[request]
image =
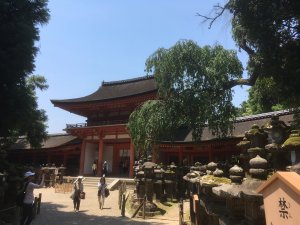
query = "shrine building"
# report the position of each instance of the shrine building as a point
(104, 136)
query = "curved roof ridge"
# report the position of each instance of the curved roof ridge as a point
(109, 83)
(267, 115)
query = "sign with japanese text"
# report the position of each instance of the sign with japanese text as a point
(282, 200)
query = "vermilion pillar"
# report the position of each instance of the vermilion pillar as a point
(100, 155)
(131, 159)
(82, 156)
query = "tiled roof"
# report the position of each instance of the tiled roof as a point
(241, 125)
(117, 89)
(54, 140)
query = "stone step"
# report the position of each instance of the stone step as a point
(113, 183)
(93, 181)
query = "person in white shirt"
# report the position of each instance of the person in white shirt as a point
(101, 192)
(27, 215)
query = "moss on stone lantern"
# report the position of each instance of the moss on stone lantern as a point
(292, 144)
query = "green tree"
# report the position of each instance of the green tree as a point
(194, 90)
(270, 34)
(263, 97)
(150, 123)
(19, 29)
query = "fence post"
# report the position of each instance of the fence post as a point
(144, 206)
(138, 208)
(120, 197)
(192, 214)
(196, 209)
(123, 205)
(39, 203)
(181, 212)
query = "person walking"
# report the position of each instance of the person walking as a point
(104, 169)
(27, 208)
(78, 189)
(94, 168)
(101, 192)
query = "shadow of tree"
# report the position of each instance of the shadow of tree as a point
(53, 214)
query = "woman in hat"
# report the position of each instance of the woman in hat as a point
(29, 186)
(78, 189)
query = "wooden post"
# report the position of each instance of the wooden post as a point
(192, 214)
(39, 203)
(138, 208)
(144, 206)
(196, 210)
(120, 197)
(123, 205)
(181, 221)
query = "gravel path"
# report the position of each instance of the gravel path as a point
(57, 208)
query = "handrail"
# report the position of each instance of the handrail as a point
(90, 124)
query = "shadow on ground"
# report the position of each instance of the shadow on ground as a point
(54, 214)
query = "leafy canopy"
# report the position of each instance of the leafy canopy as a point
(148, 124)
(193, 89)
(19, 29)
(269, 32)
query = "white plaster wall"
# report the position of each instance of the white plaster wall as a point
(108, 156)
(91, 153)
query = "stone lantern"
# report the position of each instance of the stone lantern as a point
(236, 174)
(158, 183)
(169, 183)
(148, 168)
(244, 156)
(258, 167)
(292, 144)
(277, 131)
(212, 166)
(258, 140)
(140, 184)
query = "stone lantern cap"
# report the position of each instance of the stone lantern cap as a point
(293, 142)
(149, 165)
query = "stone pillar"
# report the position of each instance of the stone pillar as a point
(100, 155)
(131, 172)
(82, 156)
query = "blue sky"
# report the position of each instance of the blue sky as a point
(87, 42)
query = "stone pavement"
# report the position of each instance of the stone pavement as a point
(57, 208)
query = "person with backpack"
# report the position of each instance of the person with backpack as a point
(102, 188)
(29, 186)
(77, 193)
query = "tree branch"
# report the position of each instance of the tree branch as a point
(219, 12)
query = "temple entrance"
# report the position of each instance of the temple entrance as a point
(124, 161)
(91, 155)
(108, 157)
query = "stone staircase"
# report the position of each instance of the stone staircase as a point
(113, 183)
(93, 181)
